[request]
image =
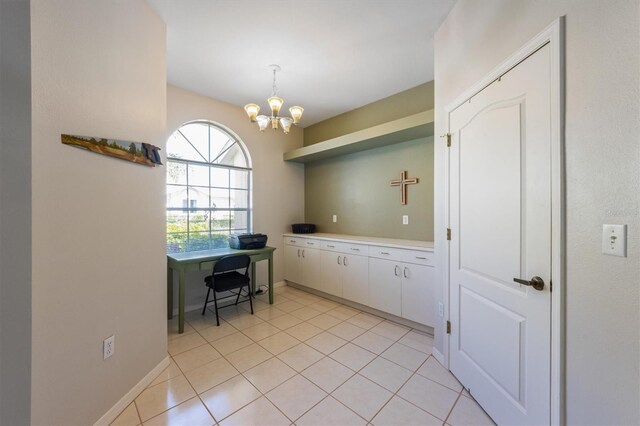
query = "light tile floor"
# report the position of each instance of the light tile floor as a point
(304, 360)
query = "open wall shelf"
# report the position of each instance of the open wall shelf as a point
(401, 130)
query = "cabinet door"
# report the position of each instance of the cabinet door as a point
(291, 263)
(331, 273)
(385, 286)
(309, 272)
(355, 279)
(418, 301)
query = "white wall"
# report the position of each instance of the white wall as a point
(602, 177)
(278, 187)
(98, 69)
(15, 213)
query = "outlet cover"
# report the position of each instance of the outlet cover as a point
(108, 347)
(335, 218)
(405, 219)
(440, 309)
(614, 240)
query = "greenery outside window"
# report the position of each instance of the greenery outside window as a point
(208, 187)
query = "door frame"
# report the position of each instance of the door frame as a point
(554, 36)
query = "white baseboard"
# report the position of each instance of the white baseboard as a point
(438, 356)
(128, 398)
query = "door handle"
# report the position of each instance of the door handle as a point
(339, 261)
(404, 273)
(302, 252)
(344, 260)
(536, 282)
(395, 271)
(298, 252)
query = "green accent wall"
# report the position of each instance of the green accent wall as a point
(412, 101)
(356, 188)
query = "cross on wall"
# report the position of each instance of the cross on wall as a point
(403, 182)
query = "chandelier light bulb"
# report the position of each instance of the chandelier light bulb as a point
(296, 113)
(252, 111)
(275, 103)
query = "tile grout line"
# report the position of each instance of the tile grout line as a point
(342, 321)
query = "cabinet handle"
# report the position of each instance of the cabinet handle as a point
(310, 243)
(421, 258)
(302, 252)
(395, 271)
(292, 241)
(344, 261)
(331, 246)
(384, 252)
(339, 261)
(298, 252)
(404, 273)
(355, 249)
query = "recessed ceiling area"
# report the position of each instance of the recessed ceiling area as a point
(335, 55)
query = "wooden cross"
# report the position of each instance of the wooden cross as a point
(403, 182)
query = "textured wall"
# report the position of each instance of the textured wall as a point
(15, 213)
(602, 177)
(278, 187)
(99, 265)
(355, 187)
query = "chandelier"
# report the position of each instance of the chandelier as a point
(275, 103)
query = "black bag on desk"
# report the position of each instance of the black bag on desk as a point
(247, 241)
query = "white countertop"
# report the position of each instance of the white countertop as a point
(374, 241)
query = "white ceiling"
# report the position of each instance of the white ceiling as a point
(336, 55)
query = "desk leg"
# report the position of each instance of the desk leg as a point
(271, 279)
(253, 278)
(181, 303)
(169, 293)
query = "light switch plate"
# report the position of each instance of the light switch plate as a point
(614, 240)
(335, 218)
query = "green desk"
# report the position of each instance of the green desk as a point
(203, 261)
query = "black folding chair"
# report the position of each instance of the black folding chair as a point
(225, 277)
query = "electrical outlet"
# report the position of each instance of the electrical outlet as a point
(440, 309)
(405, 219)
(108, 347)
(335, 218)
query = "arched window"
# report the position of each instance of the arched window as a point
(208, 187)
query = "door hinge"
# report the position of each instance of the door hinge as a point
(449, 234)
(550, 286)
(448, 327)
(448, 137)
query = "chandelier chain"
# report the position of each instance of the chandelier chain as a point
(274, 88)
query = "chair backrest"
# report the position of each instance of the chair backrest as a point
(232, 263)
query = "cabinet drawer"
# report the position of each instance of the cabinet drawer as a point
(301, 242)
(402, 255)
(347, 248)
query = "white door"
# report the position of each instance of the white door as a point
(418, 301)
(500, 218)
(292, 263)
(385, 286)
(355, 280)
(309, 273)
(331, 273)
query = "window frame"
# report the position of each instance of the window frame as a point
(211, 209)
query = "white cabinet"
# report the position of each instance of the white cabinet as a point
(418, 299)
(331, 273)
(355, 279)
(385, 286)
(345, 275)
(302, 261)
(391, 279)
